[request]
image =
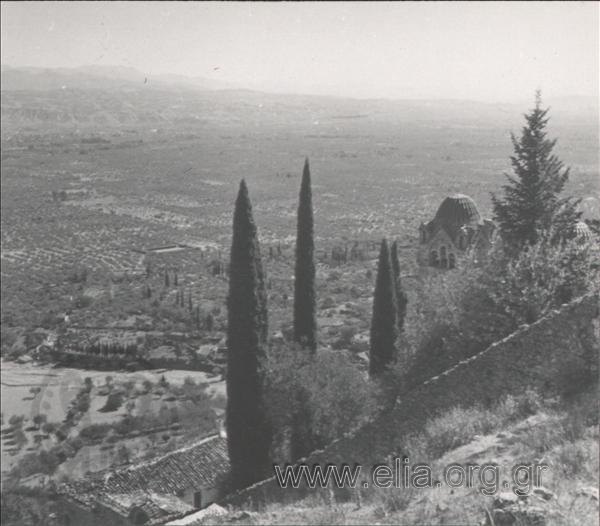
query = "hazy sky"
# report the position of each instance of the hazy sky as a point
(485, 51)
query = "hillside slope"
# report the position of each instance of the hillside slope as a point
(562, 434)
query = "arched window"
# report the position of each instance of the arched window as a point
(433, 258)
(451, 261)
(197, 499)
(423, 235)
(443, 258)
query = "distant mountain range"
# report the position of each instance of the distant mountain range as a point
(97, 77)
(116, 95)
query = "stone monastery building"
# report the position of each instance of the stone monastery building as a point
(456, 228)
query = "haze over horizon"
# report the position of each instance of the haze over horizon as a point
(477, 51)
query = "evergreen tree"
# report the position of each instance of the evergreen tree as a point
(167, 278)
(401, 298)
(248, 430)
(531, 204)
(305, 321)
(384, 322)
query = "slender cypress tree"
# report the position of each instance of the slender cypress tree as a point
(531, 203)
(305, 321)
(401, 298)
(248, 430)
(384, 329)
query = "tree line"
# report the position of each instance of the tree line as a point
(248, 428)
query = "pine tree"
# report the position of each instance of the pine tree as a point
(384, 322)
(401, 298)
(531, 204)
(305, 321)
(248, 430)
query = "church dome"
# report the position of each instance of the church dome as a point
(582, 231)
(458, 210)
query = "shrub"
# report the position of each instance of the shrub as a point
(513, 408)
(573, 458)
(113, 402)
(462, 312)
(456, 428)
(332, 395)
(95, 432)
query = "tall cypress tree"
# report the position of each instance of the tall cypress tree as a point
(401, 298)
(305, 321)
(531, 203)
(248, 430)
(384, 329)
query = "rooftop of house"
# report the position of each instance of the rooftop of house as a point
(156, 508)
(199, 465)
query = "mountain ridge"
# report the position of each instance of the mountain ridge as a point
(107, 76)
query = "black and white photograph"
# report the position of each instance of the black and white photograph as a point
(322, 263)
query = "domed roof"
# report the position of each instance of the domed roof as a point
(582, 231)
(457, 210)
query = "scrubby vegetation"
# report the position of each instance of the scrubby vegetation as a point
(560, 432)
(325, 392)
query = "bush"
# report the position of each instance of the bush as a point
(514, 408)
(113, 402)
(462, 312)
(82, 301)
(573, 458)
(330, 393)
(456, 428)
(95, 432)
(511, 291)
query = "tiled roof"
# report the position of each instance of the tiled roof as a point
(157, 508)
(458, 209)
(196, 466)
